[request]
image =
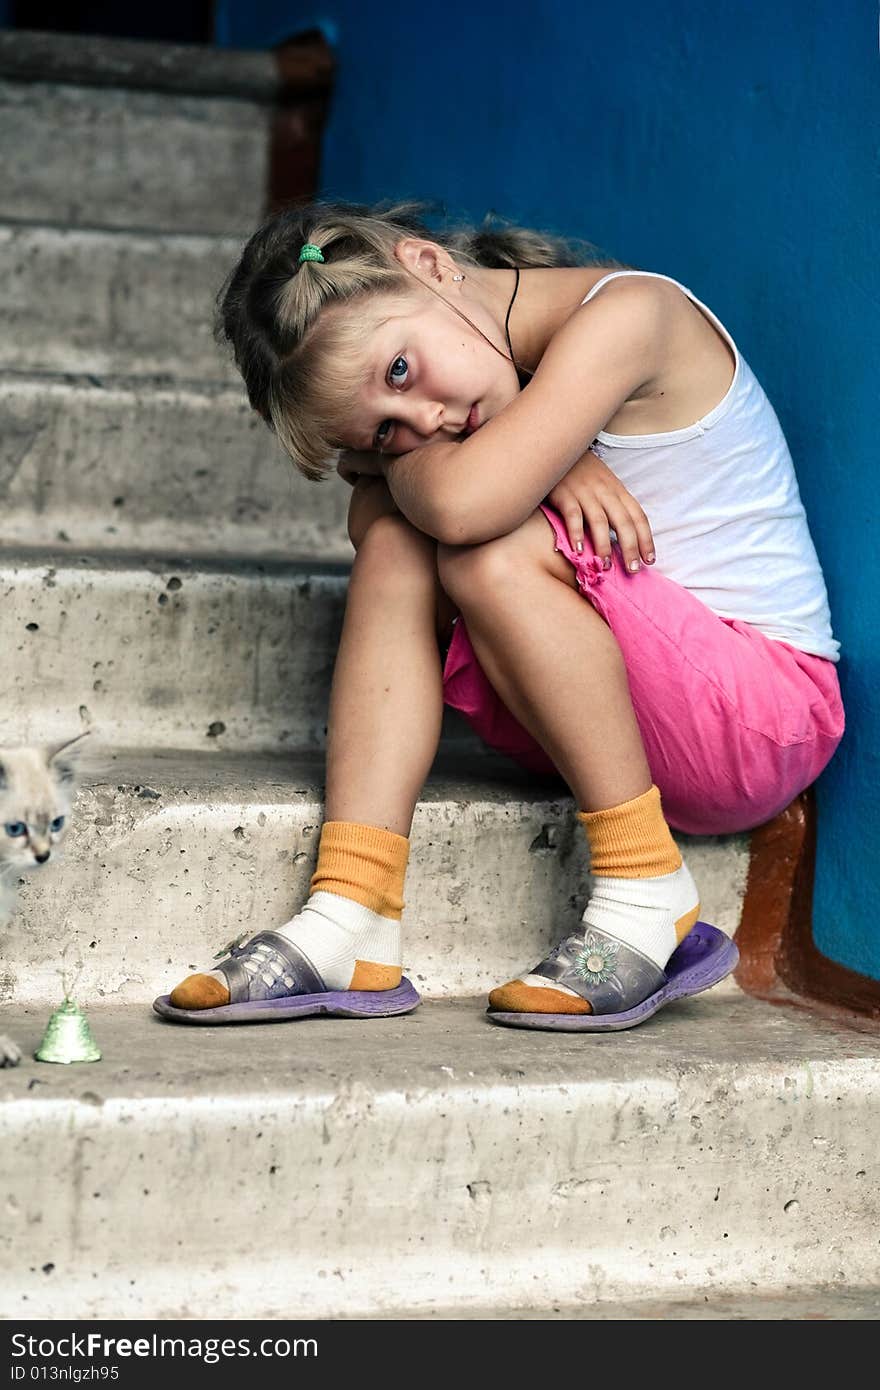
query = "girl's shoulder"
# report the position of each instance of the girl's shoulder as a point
(695, 360)
(626, 304)
(631, 298)
(630, 286)
(626, 308)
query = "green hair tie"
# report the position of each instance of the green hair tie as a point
(310, 253)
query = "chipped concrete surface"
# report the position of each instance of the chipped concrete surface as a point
(815, 1305)
(170, 856)
(98, 157)
(150, 301)
(159, 649)
(132, 65)
(210, 478)
(723, 1145)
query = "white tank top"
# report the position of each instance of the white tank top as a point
(722, 499)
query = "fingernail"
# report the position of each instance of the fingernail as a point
(580, 547)
(606, 563)
(650, 557)
(633, 566)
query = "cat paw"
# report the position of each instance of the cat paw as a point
(10, 1052)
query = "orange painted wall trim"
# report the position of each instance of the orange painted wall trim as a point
(306, 66)
(779, 960)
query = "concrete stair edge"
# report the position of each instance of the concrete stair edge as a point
(154, 465)
(719, 1146)
(28, 55)
(170, 649)
(151, 306)
(100, 157)
(168, 856)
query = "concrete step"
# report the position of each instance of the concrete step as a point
(214, 653)
(168, 856)
(231, 653)
(120, 302)
(154, 464)
(148, 65)
(394, 1167)
(102, 157)
(814, 1305)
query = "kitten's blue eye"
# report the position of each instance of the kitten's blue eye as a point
(56, 824)
(16, 828)
(395, 379)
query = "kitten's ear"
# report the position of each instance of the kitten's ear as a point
(64, 758)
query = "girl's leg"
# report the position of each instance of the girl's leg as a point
(557, 667)
(386, 707)
(552, 659)
(386, 701)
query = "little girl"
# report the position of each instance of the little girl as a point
(456, 381)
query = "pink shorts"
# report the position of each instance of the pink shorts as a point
(734, 723)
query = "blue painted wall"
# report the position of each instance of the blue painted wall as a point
(735, 146)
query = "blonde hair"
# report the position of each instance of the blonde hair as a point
(293, 345)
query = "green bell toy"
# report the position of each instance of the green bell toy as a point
(68, 1037)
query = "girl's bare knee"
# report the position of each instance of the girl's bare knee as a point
(466, 570)
(467, 565)
(469, 570)
(392, 540)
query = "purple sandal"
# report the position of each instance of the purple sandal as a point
(270, 980)
(623, 986)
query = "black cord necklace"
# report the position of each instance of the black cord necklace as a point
(523, 375)
(507, 320)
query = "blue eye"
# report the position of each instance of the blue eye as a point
(395, 379)
(56, 824)
(16, 828)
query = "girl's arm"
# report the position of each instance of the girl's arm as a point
(466, 493)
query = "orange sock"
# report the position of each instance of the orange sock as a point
(643, 895)
(364, 863)
(350, 926)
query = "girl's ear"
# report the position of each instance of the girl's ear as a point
(424, 258)
(64, 758)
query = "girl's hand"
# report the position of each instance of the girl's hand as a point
(353, 464)
(591, 494)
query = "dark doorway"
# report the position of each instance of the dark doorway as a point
(175, 21)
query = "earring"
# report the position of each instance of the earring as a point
(458, 277)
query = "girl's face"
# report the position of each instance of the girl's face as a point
(424, 371)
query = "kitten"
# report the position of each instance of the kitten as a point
(37, 789)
